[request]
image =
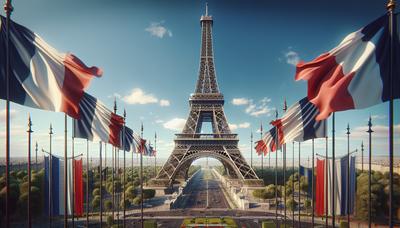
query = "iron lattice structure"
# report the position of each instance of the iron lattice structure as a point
(206, 105)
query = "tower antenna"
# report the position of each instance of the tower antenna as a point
(206, 8)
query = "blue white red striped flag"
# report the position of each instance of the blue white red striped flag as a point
(355, 74)
(74, 185)
(57, 186)
(41, 77)
(127, 141)
(299, 124)
(307, 172)
(268, 142)
(324, 186)
(97, 122)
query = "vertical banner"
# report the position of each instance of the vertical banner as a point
(57, 183)
(340, 177)
(320, 188)
(78, 188)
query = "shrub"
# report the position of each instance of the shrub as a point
(23, 204)
(291, 204)
(149, 193)
(130, 193)
(110, 220)
(96, 192)
(96, 202)
(107, 205)
(307, 204)
(23, 188)
(126, 202)
(137, 200)
(343, 224)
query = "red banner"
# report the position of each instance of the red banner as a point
(320, 190)
(78, 188)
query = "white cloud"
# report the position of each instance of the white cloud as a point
(164, 103)
(380, 131)
(244, 125)
(240, 101)
(292, 57)
(157, 29)
(159, 121)
(175, 124)
(256, 109)
(237, 126)
(138, 96)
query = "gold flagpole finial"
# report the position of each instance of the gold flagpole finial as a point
(391, 5)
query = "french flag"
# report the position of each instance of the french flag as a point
(97, 122)
(126, 141)
(268, 142)
(342, 183)
(299, 124)
(74, 185)
(41, 77)
(57, 185)
(355, 74)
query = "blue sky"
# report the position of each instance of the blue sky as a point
(149, 51)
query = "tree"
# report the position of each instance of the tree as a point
(149, 193)
(96, 192)
(137, 200)
(110, 220)
(107, 205)
(130, 193)
(126, 202)
(96, 202)
(291, 204)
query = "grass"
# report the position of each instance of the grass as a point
(194, 222)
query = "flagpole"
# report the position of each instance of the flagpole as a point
(141, 179)
(73, 178)
(101, 187)
(251, 149)
(362, 156)
(29, 171)
(262, 154)
(51, 178)
(123, 186)
(276, 169)
(369, 170)
(326, 181)
(299, 209)
(117, 195)
(113, 153)
(293, 184)
(284, 170)
(87, 183)
(333, 169)
(66, 174)
(348, 174)
(312, 184)
(391, 5)
(132, 168)
(105, 163)
(36, 150)
(8, 9)
(155, 158)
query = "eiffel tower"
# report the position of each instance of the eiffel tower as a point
(206, 105)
